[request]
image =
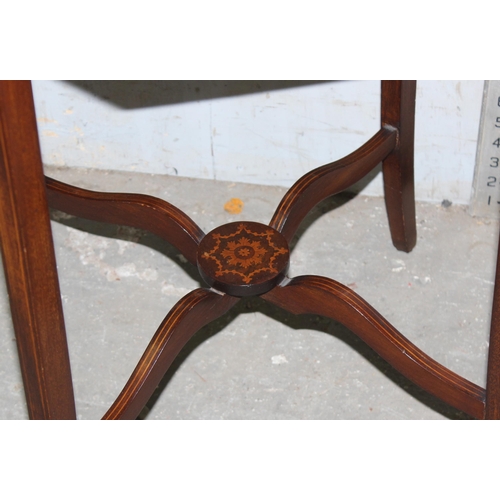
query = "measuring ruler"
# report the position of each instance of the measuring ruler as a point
(485, 200)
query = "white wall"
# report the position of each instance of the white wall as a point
(269, 137)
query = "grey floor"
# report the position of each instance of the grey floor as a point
(259, 362)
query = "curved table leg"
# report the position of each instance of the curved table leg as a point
(326, 297)
(137, 210)
(330, 179)
(192, 312)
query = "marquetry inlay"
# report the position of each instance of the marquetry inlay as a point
(243, 258)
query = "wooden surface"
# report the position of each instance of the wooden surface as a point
(136, 210)
(29, 260)
(191, 313)
(243, 258)
(398, 111)
(493, 374)
(330, 179)
(326, 297)
(237, 259)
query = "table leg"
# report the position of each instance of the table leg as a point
(493, 376)
(398, 111)
(29, 259)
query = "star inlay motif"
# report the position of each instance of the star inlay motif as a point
(244, 253)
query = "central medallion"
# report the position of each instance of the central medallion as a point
(243, 258)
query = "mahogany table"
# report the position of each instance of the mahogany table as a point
(235, 260)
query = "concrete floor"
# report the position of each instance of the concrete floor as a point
(259, 362)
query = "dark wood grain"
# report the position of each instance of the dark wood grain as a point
(29, 260)
(398, 111)
(326, 297)
(330, 179)
(192, 312)
(243, 258)
(137, 210)
(492, 410)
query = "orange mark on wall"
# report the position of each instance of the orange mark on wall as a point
(234, 206)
